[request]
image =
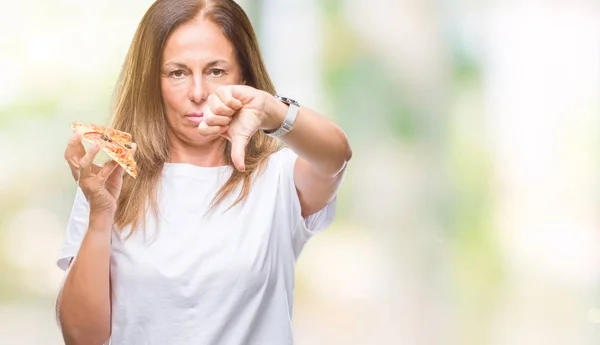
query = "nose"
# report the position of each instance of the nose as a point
(198, 90)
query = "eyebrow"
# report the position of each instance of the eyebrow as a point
(208, 65)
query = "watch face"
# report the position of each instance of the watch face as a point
(286, 100)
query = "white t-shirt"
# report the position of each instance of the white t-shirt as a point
(221, 279)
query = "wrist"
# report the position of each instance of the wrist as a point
(101, 220)
(275, 112)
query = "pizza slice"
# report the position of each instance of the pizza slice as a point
(116, 144)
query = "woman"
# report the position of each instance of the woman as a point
(200, 248)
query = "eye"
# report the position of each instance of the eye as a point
(178, 74)
(216, 72)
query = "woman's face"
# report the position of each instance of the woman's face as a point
(197, 59)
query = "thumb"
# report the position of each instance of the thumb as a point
(238, 152)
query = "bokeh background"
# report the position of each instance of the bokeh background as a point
(471, 209)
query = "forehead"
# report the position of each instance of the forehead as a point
(198, 41)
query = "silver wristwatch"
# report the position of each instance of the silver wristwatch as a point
(290, 118)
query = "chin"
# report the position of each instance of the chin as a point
(206, 140)
(195, 139)
(188, 135)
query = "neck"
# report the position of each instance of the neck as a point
(207, 155)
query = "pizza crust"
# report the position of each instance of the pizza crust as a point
(116, 144)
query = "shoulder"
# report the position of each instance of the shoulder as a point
(278, 168)
(282, 158)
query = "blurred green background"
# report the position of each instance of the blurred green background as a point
(470, 212)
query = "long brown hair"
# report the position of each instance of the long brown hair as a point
(138, 107)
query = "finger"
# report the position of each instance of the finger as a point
(225, 93)
(238, 153)
(75, 147)
(107, 170)
(73, 154)
(205, 129)
(74, 167)
(224, 133)
(85, 164)
(216, 120)
(218, 107)
(115, 180)
(118, 172)
(133, 148)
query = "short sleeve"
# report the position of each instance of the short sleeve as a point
(76, 228)
(303, 228)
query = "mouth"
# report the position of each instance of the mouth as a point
(195, 118)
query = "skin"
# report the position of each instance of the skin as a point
(197, 60)
(235, 112)
(199, 75)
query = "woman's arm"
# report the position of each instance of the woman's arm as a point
(321, 145)
(323, 150)
(83, 304)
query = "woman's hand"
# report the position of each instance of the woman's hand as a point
(101, 185)
(74, 153)
(236, 112)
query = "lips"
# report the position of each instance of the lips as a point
(195, 118)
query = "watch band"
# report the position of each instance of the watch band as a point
(290, 117)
